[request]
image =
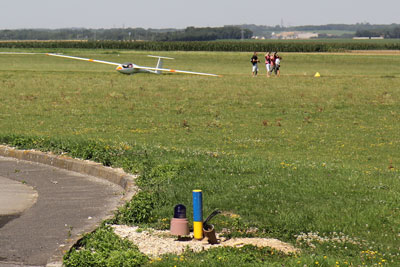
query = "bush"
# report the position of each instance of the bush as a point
(138, 210)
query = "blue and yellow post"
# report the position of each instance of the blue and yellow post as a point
(197, 214)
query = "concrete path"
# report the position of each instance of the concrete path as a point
(43, 210)
(15, 197)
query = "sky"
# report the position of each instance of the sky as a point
(157, 14)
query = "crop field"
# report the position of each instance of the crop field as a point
(311, 161)
(305, 46)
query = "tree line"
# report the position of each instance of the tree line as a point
(233, 32)
(389, 33)
(358, 29)
(129, 34)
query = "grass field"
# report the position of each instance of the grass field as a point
(312, 161)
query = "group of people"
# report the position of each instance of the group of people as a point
(272, 63)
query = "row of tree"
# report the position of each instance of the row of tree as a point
(206, 34)
(199, 34)
(343, 30)
(386, 33)
(124, 34)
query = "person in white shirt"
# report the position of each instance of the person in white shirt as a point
(277, 65)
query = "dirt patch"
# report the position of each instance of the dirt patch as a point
(353, 52)
(376, 52)
(155, 242)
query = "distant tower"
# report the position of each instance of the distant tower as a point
(242, 31)
(282, 23)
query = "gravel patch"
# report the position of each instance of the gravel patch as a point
(155, 242)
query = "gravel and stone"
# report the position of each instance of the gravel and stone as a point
(156, 242)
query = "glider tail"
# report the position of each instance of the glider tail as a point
(159, 63)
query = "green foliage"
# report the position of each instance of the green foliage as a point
(205, 34)
(270, 45)
(392, 32)
(139, 210)
(189, 34)
(158, 175)
(104, 248)
(227, 256)
(95, 150)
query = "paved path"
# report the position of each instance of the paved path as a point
(44, 209)
(15, 198)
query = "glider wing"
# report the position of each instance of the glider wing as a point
(177, 71)
(21, 53)
(84, 59)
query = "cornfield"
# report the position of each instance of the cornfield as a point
(246, 46)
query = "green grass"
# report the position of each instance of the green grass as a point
(289, 155)
(110, 251)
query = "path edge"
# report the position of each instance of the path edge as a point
(114, 175)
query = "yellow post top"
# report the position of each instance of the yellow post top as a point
(197, 190)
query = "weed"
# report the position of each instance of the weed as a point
(104, 248)
(139, 210)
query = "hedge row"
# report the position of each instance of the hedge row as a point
(247, 46)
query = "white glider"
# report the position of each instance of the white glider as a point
(125, 68)
(131, 68)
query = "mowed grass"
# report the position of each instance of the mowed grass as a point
(289, 155)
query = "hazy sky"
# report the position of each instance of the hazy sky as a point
(15, 14)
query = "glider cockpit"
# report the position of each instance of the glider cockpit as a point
(126, 68)
(127, 65)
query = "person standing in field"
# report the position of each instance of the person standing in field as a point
(273, 62)
(278, 65)
(268, 63)
(254, 60)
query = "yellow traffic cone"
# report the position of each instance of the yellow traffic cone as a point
(317, 75)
